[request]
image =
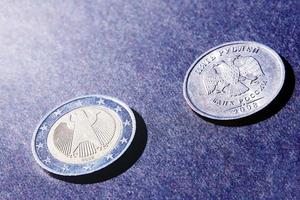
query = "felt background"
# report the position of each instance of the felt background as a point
(139, 51)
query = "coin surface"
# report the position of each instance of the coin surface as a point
(234, 80)
(83, 135)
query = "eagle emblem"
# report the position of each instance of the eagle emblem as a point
(84, 133)
(229, 78)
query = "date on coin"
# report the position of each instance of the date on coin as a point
(234, 80)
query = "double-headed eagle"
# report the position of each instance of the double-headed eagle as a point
(229, 78)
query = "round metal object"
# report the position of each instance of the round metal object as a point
(83, 135)
(234, 80)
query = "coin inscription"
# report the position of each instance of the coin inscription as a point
(234, 80)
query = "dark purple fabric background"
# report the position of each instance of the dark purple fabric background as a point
(139, 51)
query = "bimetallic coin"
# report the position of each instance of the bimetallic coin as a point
(234, 80)
(83, 135)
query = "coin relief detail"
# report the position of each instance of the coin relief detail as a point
(234, 80)
(84, 134)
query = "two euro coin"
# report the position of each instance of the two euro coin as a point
(83, 135)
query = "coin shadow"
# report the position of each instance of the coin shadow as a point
(274, 107)
(121, 165)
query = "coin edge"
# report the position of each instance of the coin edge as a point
(204, 114)
(42, 165)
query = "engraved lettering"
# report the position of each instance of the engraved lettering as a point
(255, 50)
(249, 49)
(236, 49)
(245, 107)
(215, 100)
(248, 106)
(198, 71)
(263, 85)
(88, 159)
(224, 103)
(227, 50)
(241, 48)
(221, 52)
(207, 60)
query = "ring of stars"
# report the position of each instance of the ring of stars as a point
(64, 168)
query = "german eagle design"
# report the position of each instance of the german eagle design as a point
(84, 134)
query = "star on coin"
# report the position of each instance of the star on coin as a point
(118, 109)
(78, 103)
(124, 140)
(65, 168)
(47, 160)
(126, 123)
(44, 127)
(57, 113)
(40, 145)
(100, 102)
(109, 157)
(88, 167)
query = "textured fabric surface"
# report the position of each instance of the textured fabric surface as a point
(139, 51)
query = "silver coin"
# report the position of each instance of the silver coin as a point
(83, 135)
(234, 80)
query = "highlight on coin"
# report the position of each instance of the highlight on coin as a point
(234, 80)
(83, 135)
